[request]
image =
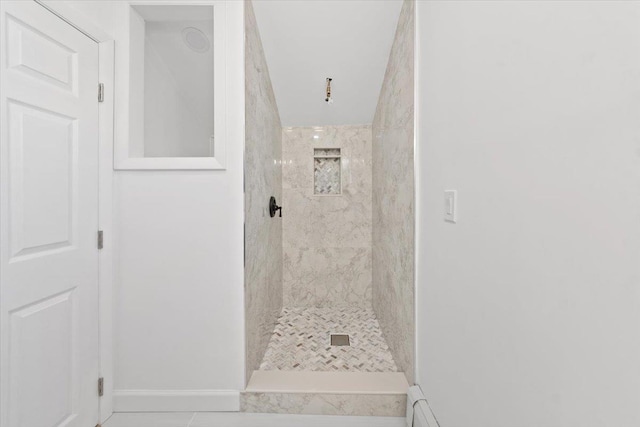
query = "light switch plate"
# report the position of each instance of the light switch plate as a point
(451, 205)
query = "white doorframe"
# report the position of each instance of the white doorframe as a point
(105, 213)
(105, 196)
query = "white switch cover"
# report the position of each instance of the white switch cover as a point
(450, 205)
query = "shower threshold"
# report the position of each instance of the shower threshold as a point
(382, 394)
(328, 382)
(327, 361)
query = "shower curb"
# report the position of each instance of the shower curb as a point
(326, 393)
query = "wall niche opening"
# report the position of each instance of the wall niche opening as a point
(327, 176)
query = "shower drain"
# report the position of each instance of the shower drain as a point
(340, 339)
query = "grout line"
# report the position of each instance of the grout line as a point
(368, 352)
(191, 420)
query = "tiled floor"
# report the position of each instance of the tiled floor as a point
(238, 419)
(302, 341)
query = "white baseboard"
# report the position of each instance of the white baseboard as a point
(176, 400)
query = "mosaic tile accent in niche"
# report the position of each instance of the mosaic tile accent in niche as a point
(301, 341)
(326, 171)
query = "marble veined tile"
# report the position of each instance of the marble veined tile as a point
(301, 341)
(335, 152)
(327, 237)
(263, 178)
(327, 276)
(381, 405)
(299, 145)
(393, 198)
(326, 175)
(326, 222)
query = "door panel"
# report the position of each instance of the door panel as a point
(42, 145)
(33, 52)
(41, 360)
(48, 220)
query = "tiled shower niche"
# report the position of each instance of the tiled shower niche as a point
(326, 171)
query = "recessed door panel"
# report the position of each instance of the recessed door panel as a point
(43, 147)
(41, 353)
(32, 52)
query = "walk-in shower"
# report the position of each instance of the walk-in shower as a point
(329, 272)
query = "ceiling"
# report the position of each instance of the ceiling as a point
(306, 41)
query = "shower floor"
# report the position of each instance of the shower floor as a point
(301, 341)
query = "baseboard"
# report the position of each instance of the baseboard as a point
(176, 401)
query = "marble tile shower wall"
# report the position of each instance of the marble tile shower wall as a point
(263, 178)
(393, 219)
(326, 238)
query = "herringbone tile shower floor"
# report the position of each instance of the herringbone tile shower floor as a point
(301, 341)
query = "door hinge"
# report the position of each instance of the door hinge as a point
(100, 92)
(100, 386)
(100, 239)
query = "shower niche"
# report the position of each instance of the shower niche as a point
(175, 91)
(327, 172)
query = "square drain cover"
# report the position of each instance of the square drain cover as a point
(339, 339)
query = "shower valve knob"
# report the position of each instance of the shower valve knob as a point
(273, 207)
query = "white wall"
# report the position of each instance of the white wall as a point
(529, 306)
(176, 124)
(178, 314)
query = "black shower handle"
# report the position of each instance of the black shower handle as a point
(273, 207)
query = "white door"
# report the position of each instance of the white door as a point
(48, 220)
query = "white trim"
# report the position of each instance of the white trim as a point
(176, 400)
(105, 223)
(128, 128)
(235, 93)
(417, 226)
(166, 163)
(76, 19)
(419, 413)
